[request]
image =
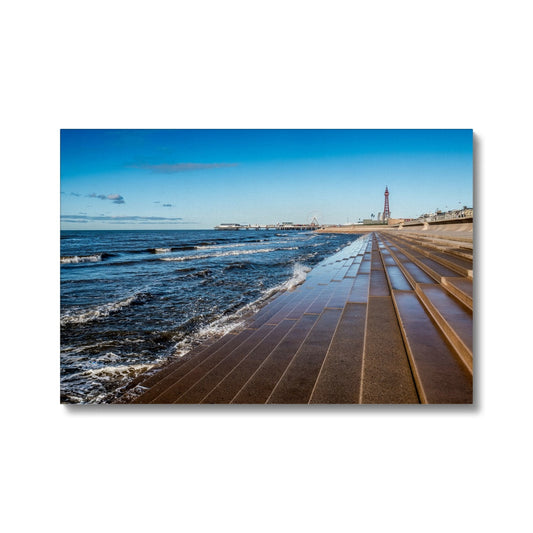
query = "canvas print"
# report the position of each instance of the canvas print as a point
(266, 266)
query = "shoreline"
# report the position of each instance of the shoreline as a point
(127, 391)
(387, 319)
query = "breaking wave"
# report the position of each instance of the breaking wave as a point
(102, 311)
(225, 254)
(227, 323)
(81, 259)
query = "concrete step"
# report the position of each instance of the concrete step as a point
(460, 236)
(396, 278)
(261, 383)
(185, 382)
(354, 269)
(463, 266)
(440, 376)
(270, 309)
(458, 265)
(340, 292)
(296, 306)
(365, 266)
(413, 273)
(296, 384)
(360, 289)
(440, 241)
(167, 380)
(166, 373)
(461, 250)
(387, 376)
(453, 318)
(462, 253)
(378, 283)
(434, 269)
(461, 288)
(339, 378)
(319, 303)
(236, 377)
(221, 383)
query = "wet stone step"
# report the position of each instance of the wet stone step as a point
(295, 307)
(462, 288)
(387, 376)
(164, 380)
(318, 305)
(184, 380)
(296, 384)
(441, 263)
(440, 376)
(340, 293)
(454, 319)
(365, 266)
(434, 269)
(340, 376)
(378, 283)
(270, 309)
(260, 385)
(195, 390)
(232, 383)
(354, 269)
(360, 288)
(250, 351)
(463, 266)
(397, 280)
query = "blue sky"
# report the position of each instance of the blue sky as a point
(196, 179)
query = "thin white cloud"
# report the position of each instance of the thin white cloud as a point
(115, 198)
(82, 219)
(172, 168)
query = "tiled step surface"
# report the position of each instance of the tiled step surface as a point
(382, 321)
(261, 384)
(435, 269)
(440, 376)
(188, 380)
(461, 288)
(453, 318)
(459, 265)
(449, 312)
(339, 379)
(296, 384)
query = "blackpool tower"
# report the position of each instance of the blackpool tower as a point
(386, 210)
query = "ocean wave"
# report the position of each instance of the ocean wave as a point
(222, 245)
(81, 259)
(226, 254)
(103, 311)
(299, 274)
(238, 266)
(118, 371)
(227, 323)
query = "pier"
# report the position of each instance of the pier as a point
(388, 319)
(283, 226)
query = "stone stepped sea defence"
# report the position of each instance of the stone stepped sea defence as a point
(385, 320)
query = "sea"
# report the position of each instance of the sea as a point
(132, 300)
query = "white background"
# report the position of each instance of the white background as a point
(381, 64)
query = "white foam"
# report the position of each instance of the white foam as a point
(226, 324)
(99, 312)
(162, 250)
(225, 254)
(218, 246)
(118, 371)
(82, 259)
